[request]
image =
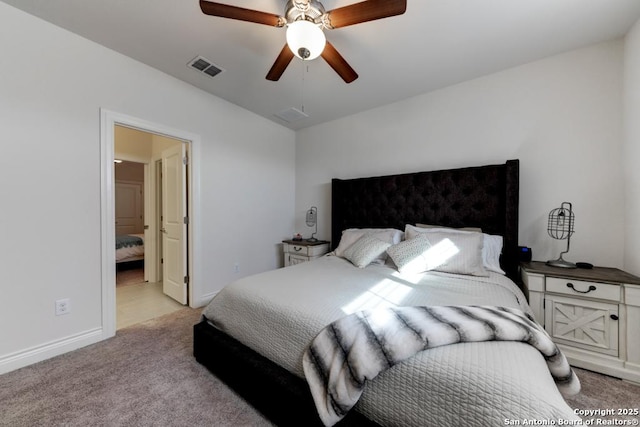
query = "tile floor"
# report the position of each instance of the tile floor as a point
(140, 302)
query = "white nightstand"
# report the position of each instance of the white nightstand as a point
(297, 251)
(592, 314)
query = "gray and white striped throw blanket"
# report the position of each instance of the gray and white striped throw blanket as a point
(359, 346)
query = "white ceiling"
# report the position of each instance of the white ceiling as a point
(436, 43)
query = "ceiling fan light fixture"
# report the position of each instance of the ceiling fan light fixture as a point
(305, 39)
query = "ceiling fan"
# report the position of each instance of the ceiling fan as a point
(305, 21)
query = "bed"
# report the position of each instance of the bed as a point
(255, 331)
(129, 247)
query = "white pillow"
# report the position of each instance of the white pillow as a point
(491, 251)
(366, 249)
(410, 256)
(478, 229)
(491, 247)
(459, 253)
(351, 235)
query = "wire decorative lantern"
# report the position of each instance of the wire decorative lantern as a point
(560, 227)
(312, 220)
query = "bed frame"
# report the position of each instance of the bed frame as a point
(485, 197)
(129, 259)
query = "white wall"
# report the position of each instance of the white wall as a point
(560, 116)
(52, 86)
(631, 150)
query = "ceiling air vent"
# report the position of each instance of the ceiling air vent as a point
(291, 115)
(205, 66)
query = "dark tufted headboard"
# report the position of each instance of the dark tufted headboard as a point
(484, 196)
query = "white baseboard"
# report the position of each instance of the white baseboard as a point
(20, 359)
(51, 349)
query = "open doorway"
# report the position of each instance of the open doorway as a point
(193, 254)
(151, 217)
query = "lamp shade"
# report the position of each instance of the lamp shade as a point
(305, 39)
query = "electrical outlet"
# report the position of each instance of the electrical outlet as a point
(63, 306)
(236, 268)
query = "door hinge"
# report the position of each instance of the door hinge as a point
(186, 220)
(186, 280)
(185, 160)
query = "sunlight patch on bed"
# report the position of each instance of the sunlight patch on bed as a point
(440, 253)
(429, 259)
(410, 277)
(387, 293)
(390, 293)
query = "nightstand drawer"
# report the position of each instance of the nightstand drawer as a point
(306, 250)
(296, 252)
(583, 288)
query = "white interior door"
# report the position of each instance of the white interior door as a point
(128, 207)
(174, 227)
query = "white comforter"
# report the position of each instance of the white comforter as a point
(126, 252)
(278, 313)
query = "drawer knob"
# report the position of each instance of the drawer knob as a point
(614, 317)
(591, 288)
(297, 248)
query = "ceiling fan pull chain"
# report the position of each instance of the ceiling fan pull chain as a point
(303, 73)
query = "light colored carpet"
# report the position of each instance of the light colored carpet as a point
(147, 376)
(603, 392)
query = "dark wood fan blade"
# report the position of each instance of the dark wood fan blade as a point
(281, 64)
(369, 10)
(337, 62)
(240, 13)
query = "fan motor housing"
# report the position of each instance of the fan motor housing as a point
(310, 10)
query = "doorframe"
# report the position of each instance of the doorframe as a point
(157, 218)
(108, 121)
